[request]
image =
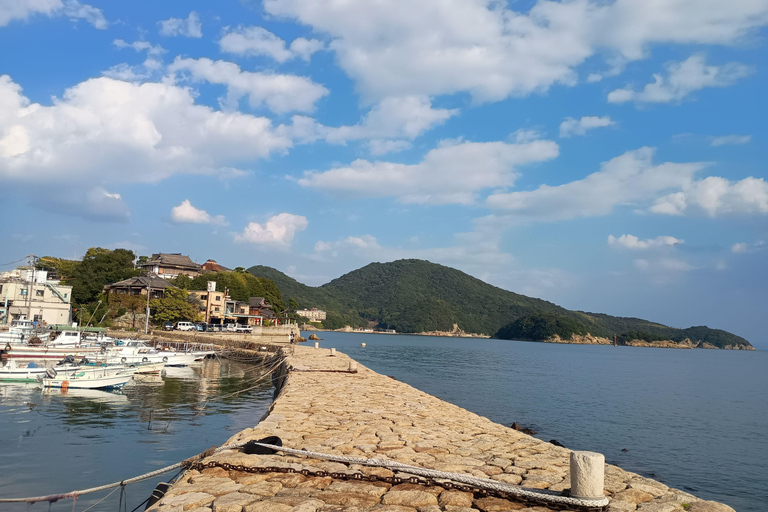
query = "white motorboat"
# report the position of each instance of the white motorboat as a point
(60, 342)
(99, 377)
(14, 372)
(135, 351)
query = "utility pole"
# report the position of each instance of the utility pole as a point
(149, 291)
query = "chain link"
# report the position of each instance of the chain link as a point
(392, 480)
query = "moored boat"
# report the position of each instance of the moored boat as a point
(100, 377)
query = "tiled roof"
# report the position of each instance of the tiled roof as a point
(142, 281)
(214, 267)
(173, 259)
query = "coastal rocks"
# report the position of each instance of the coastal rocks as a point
(522, 429)
(709, 506)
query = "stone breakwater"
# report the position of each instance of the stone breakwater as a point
(321, 407)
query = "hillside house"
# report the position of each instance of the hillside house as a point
(170, 265)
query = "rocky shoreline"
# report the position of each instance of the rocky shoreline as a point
(588, 339)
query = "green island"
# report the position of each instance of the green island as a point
(420, 297)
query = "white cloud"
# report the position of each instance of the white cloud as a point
(278, 231)
(731, 139)
(739, 248)
(109, 131)
(382, 147)
(262, 42)
(715, 196)
(571, 126)
(23, 9)
(187, 27)
(140, 46)
(634, 243)
(281, 93)
(628, 178)
(435, 47)
(447, 174)
(392, 118)
(186, 213)
(682, 79)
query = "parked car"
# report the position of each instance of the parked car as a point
(230, 327)
(167, 326)
(244, 328)
(201, 326)
(185, 326)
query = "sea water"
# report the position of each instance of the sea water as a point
(696, 420)
(53, 442)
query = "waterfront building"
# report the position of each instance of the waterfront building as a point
(140, 285)
(313, 315)
(28, 294)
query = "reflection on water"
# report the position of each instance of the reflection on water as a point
(53, 441)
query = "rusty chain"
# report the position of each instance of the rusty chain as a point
(392, 480)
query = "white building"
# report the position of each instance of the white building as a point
(314, 314)
(28, 294)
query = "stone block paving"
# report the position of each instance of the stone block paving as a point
(369, 415)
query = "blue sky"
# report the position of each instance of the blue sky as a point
(608, 156)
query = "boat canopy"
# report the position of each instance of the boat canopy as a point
(62, 327)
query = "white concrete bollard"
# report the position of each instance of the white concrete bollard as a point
(317, 344)
(333, 351)
(353, 366)
(587, 475)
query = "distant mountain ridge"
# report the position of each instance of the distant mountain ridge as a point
(415, 296)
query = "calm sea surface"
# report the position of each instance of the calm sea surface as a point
(696, 420)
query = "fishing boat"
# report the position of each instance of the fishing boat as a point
(14, 372)
(135, 352)
(100, 377)
(59, 342)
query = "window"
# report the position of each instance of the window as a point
(24, 292)
(218, 297)
(39, 293)
(65, 295)
(216, 308)
(204, 297)
(38, 318)
(1, 288)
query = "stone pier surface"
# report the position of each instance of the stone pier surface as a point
(323, 407)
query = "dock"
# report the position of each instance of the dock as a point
(328, 403)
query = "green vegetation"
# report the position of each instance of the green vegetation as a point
(173, 307)
(542, 326)
(419, 296)
(239, 284)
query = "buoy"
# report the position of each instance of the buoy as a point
(362, 344)
(65, 385)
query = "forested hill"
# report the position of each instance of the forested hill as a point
(413, 296)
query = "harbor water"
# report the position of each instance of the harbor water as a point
(692, 419)
(53, 442)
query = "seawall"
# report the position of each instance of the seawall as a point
(322, 406)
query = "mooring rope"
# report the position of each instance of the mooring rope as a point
(482, 483)
(52, 498)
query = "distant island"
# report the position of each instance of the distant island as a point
(420, 297)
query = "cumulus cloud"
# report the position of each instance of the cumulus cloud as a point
(278, 231)
(23, 9)
(280, 93)
(109, 131)
(634, 243)
(186, 213)
(140, 46)
(731, 139)
(628, 178)
(682, 79)
(387, 123)
(715, 196)
(435, 47)
(261, 42)
(739, 248)
(187, 27)
(743, 248)
(451, 173)
(571, 126)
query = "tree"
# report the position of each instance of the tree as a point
(133, 304)
(173, 307)
(100, 267)
(293, 304)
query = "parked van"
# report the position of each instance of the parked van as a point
(185, 326)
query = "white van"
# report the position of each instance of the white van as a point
(185, 326)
